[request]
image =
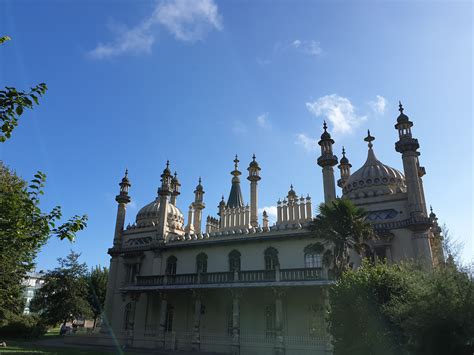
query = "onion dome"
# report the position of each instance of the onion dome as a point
(344, 159)
(149, 216)
(253, 163)
(402, 118)
(325, 134)
(374, 178)
(199, 187)
(291, 193)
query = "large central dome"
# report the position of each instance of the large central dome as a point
(149, 216)
(374, 179)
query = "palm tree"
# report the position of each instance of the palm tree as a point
(342, 224)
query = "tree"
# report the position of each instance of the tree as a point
(342, 224)
(63, 296)
(97, 288)
(24, 228)
(401, 309)
(13, 102)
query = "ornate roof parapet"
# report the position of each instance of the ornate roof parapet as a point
(293, 211)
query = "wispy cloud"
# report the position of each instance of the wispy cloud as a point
(186, 20)
(310, 47)
(338, 110)
(378, 105)
(308, 143)
(263, 121)
(271, 211)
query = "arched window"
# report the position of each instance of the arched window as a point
(271, 258)
(171, 265)
(313, 255)
(201, 263)
(234, 260)
(128, 319)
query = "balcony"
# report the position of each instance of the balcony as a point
(248, 278)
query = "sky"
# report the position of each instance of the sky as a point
(134, 83)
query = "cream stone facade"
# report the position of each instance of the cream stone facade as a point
(230, 283)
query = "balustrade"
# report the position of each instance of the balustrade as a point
(248, 276)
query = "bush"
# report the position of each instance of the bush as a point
(22, 326)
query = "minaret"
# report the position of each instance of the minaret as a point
(235, 196)
(122, 199)
(327, 160)
(419, 221)
(221, 213)
(408, 146)
(164, 192)
(254, 177)
(345, 168)
(198, 206)
(175, 186)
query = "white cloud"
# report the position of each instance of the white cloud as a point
(271, 212)
(263, 121)
(306, 142)
(337, 110)
(310, 47)
(378, 106)
(187, 20)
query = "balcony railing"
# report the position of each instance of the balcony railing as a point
(251, 276)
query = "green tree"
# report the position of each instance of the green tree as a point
(13, 102)
(343, 225)
(97, 288)
(400, 309)
(24, 229)
(63, 296)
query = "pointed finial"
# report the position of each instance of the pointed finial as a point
(369, 139)
(253, 157)
(199, 180)
(291, 186)
(126, 172)
(343, 151)
(400, 107)
(175, 174)
(431, 209)
(167, 164)
(325, 126)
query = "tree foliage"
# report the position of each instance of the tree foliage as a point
(342, 224)
(398, 309)
(13, 102)
(63, 295)
(97, 288)
(24, 228)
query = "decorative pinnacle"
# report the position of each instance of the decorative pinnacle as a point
(291, 186)
(325, 126)
(253, 157)
(431, 209)
(199, 180)
(369, 139)
(167, 164)
(400, 107)
(126, 172)
(343, 151)
(236, 162)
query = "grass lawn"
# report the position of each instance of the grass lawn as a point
(28, 347)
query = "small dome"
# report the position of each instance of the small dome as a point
(374, 179)
(402, 118)
(149, 216)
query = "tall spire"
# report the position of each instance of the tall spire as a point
(235, 196)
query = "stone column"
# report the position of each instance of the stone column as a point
(162, 330)
(196, 342)
(279, 343)
(421, 244)
(110, 295)
(236, 296)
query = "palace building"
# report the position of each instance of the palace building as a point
(231, 283)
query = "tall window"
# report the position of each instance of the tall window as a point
(313, 255)
(234, 260)
(171, 265)
(127, 324)
(270, 321)
(169, 318)
(201, 263)
(271, 258)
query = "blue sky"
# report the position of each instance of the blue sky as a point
(133, 83)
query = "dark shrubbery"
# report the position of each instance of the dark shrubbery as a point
(22, 326)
